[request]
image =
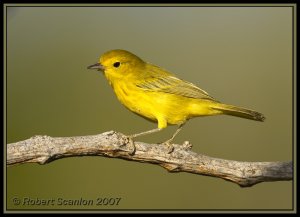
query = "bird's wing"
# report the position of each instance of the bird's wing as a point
(167, 83)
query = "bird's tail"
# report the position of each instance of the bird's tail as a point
(239, 112)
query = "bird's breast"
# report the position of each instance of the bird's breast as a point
(135, 99)
(152, 104)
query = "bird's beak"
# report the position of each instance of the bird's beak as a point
(96, 66)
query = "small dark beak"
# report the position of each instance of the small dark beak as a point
(96, 66)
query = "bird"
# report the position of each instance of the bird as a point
(158, 95)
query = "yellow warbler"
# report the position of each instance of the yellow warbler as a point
(158, 95)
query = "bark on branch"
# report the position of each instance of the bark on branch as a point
(44, 149)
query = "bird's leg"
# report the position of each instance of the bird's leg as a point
(130, 138)
(169, 141)
(145, 133)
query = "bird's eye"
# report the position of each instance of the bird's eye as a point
(117, 64)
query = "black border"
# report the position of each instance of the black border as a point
(162, 210)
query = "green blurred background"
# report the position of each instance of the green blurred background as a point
(239, 55)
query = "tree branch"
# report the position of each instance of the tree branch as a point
(44, 149)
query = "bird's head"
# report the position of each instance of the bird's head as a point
(118, 63)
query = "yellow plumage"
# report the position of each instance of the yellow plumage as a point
(158, 95)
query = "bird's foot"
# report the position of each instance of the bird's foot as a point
(130, 144)
(170, 146)
(186, 145)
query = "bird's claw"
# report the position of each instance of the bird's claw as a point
(130, 143)
(170, 147)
